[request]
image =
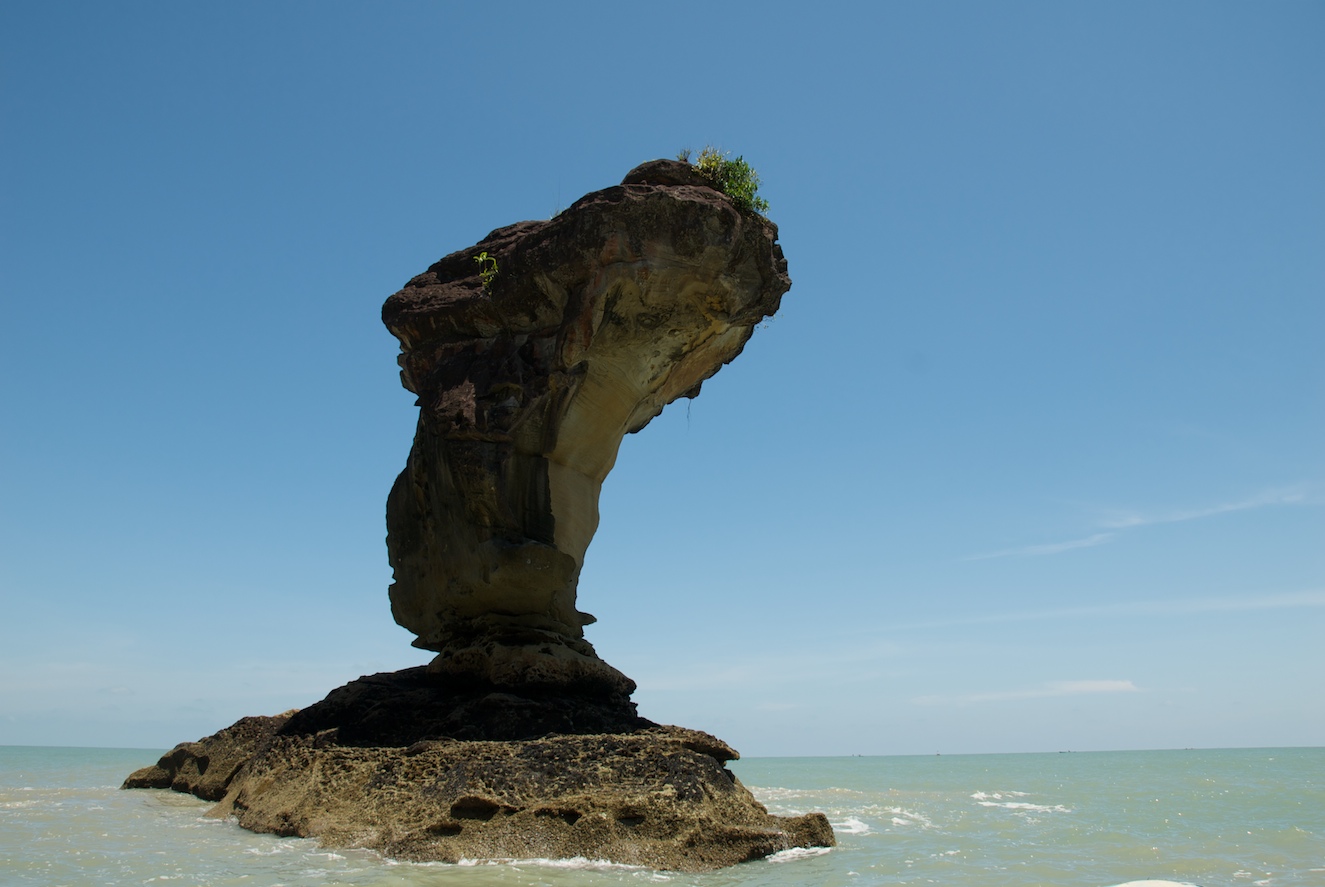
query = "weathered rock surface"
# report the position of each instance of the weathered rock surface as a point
(647, 795)
(206, 768)
(528, 381)
(517, 741)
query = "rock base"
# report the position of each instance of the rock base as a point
(643, 794)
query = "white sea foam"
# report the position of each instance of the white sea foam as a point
(908, 817)
(998, 796)
(578, 863)
(851, 826)
(774, 793)
(796, 853)
(273, 849)
(1024, 807)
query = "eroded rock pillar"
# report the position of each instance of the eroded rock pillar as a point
(528, 376)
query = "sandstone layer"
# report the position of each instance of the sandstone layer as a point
(533, 353)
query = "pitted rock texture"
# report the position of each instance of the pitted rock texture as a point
(206, 767)
(655, 796)
(527, 383)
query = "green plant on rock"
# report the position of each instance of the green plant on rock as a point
(487, 268)
(735, 178)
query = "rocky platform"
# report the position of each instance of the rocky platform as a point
(342, 771)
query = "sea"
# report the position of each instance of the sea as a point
(1213, 818)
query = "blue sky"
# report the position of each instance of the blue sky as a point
(1033, 457)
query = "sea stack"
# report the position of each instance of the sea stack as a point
(533, 353)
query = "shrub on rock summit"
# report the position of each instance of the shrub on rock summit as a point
(735, 178)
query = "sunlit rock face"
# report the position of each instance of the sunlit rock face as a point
(527, 380)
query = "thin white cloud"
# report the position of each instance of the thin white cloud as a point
(809, 664)
(1046, 690)
(1245, 603)
(1130, 520)
(1261, 500)
(875, 659)
(1226, 604)
(1049, 548)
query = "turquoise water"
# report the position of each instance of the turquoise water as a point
(1230, 818)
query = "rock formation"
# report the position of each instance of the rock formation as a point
(657, 797)
(533, 353)
(586, 326)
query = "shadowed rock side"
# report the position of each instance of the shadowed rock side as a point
(527, 382)
(398, 708)
(517, 741)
